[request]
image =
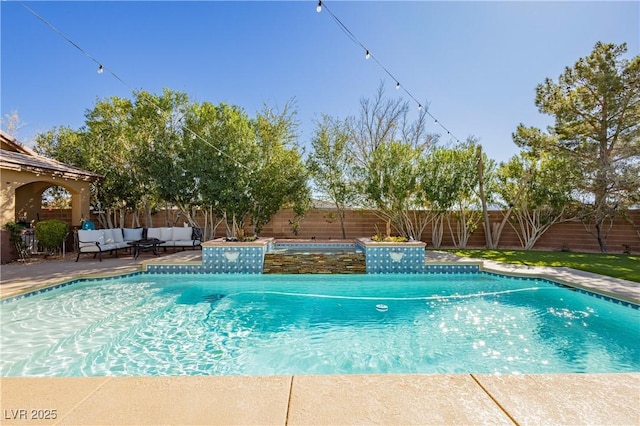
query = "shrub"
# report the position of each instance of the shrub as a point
(383, 239)
(16, 238)
(51, 233)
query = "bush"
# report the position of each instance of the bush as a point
(383, 239)
(51, 233)
(15, 230)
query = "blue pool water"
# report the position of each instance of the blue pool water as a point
(151, 324)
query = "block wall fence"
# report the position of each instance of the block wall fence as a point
(324, 224)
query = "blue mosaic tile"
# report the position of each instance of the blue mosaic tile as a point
(64, 284)
(226, 260)
(381, 260)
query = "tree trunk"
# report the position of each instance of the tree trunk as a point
(437, 231)
(485, 213)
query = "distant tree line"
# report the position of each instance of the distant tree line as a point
(165, 150)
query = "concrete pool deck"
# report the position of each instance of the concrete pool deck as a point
(569, 399)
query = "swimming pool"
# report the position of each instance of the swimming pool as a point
(152, 324)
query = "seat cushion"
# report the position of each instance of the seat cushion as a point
(108, 236)
(132, 234)
(166, 234)
(118, 237)
(88, 238)
(182, 234)
(153, 233)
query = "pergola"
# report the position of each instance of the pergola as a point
(26, 175)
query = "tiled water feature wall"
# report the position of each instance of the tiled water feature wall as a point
(221, 257)
(404, 258)
(384, 258)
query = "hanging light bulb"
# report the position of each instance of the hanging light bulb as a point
(100, 69)
(319, 7)
(367, 55)
(397, 85)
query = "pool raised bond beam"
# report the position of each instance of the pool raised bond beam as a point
(222, 257)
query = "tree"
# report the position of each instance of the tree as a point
(330, 165)
(382, 132)
(157, 134)
(447, 182)
(279, 177)
(220, 155)
(391, 183)
(382, 120)
(596, 105)
(110, 151)
(64, 144)
(536, 187)
(12, 123)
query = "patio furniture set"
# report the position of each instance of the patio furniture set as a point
(98, 241)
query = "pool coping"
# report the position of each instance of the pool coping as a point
(446, 399)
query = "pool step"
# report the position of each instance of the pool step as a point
(314, 263)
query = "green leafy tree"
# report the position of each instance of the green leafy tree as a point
(111, 152)
(596, 105)
(221, 151)
(157, 134)
(449, 182)
(391, 184)
(103, 145)
(330, 166)
(66, 145)
(279, 176)
(537, 187)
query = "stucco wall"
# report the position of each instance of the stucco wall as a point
(21, 194)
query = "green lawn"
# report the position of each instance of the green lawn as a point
(614, 265)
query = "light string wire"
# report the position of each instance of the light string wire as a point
(369, 55)
(102, 68)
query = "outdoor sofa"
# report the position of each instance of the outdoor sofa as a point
(99, 241)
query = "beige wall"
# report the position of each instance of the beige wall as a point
(21, 195)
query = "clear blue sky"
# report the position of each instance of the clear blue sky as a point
(476, 64)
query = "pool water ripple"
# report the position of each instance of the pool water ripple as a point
(257, 325)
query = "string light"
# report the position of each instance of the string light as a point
(368, 55)
(101, 70)
(319, 7)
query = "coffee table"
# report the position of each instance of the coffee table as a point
(151, 243)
